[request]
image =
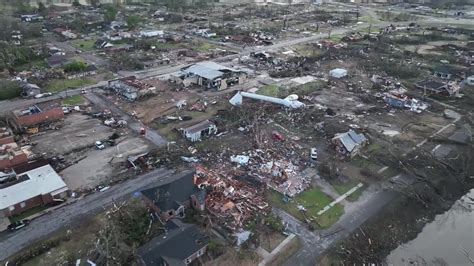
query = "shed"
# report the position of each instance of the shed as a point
(196, 132)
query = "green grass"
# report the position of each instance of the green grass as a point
(86, 45)
(73, 100)
(269, 90)
(167, 45)
(58, 85)
(204, 47)
(9, 92)
(309, 88)
(343, 187)
(313, 200)
(27, 213)
(37, 63)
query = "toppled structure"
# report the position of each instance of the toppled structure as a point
(131, 88)
(349, 143)
(210, 75)
(443, 88)
(39, 113)
(398, 99)
(10, 153)
(29, 186)
(197, 131)
(232, 201)
(291, 101)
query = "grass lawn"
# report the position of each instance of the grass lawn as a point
(27, 213)
(204, 47)
(73, 100)
(86, 45)
(343, 187)
(58, 85)
(313, 200)
(9, 92)
(269, 90)
(309, 88)
(38, 63)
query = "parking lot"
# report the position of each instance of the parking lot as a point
(74, 141)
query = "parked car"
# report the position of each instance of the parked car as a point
(18, 225)
(41, 95)
(314, 154)
(99, 145)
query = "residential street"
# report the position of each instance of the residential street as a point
(151, 134)
(314, 244)
(69, 214)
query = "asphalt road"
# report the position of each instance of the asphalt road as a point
(70, 214)
(9, 105)
(135, 125)
(315, 243)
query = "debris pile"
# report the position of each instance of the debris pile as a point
(232, 201)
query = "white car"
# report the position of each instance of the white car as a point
(99, 145)
(314, 154)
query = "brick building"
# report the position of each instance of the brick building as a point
(36, 114)
(10, 153)
(28, 186)
(170, 200)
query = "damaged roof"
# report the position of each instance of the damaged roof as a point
(170, 195)
(207, 70)
(351, 139)
(199, 127)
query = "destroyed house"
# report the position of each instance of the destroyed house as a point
(56, 60)
(39, 113)
(178, 246)
(30, 90)
(11, 155)
(438, 87)
(170, 200)
(211, 75)
(90, 70)
(197, 131)
(28, 186)
(445, 72)
(131, 88)
(31, 18)
(232, 200)
(349, 143)
(101, 44)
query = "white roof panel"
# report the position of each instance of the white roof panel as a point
(40, 181)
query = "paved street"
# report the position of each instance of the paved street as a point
(314, 244)
(88, 206)
(135, 125)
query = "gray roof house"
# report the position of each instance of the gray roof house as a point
(177, 247)
(211, 75)
(197, 131)
(170, 200)
(349, 143)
